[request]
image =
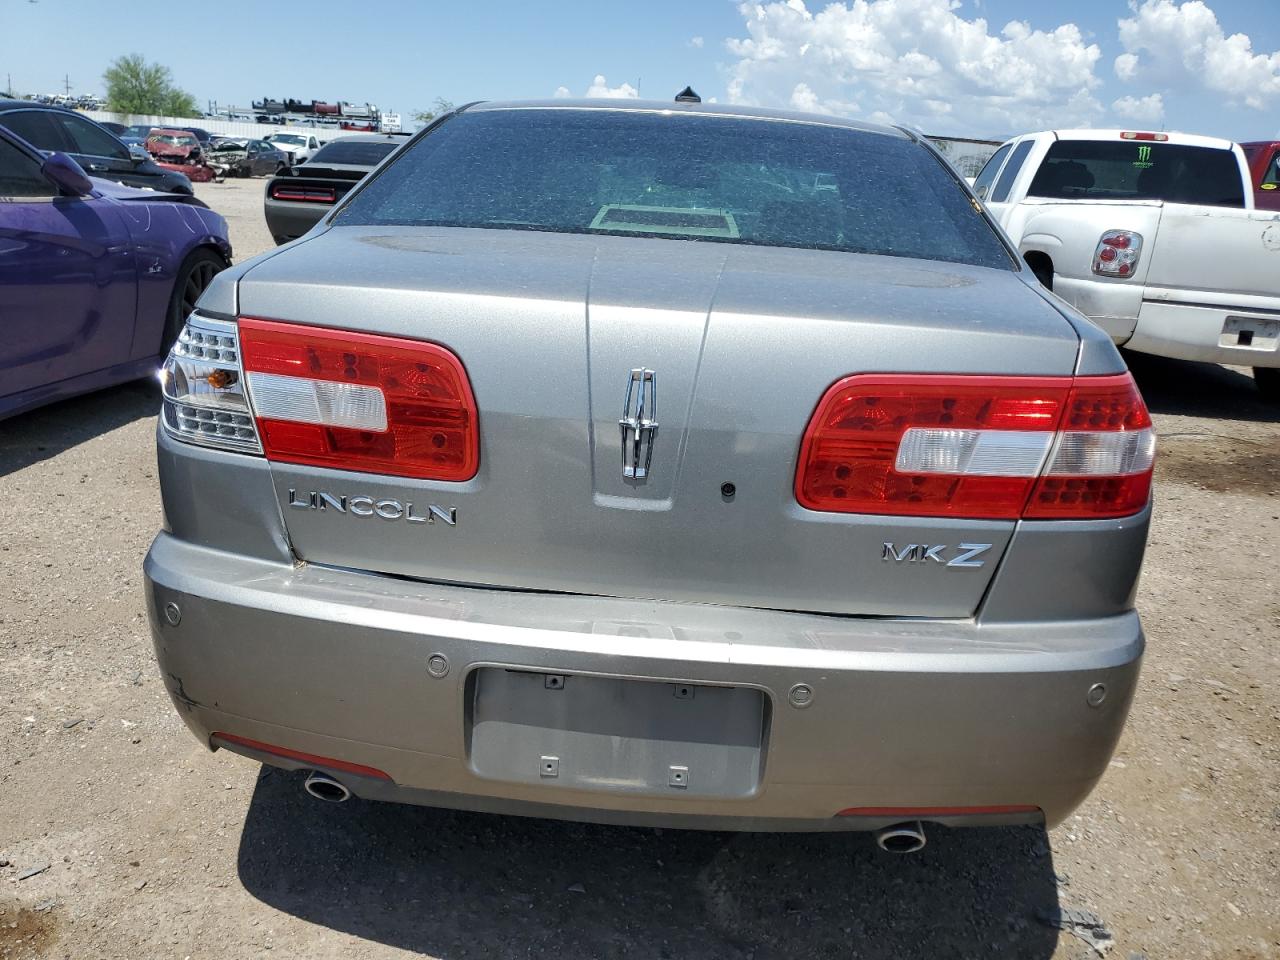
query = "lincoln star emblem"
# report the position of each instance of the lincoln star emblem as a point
(639, 428)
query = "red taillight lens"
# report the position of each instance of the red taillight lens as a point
(849, 458)
(304, 195)
(976, 447)
(1103, 458)
(360, 401)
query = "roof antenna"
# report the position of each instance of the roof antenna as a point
(688, 96)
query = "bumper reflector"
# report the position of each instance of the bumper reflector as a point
(916, 813)
(308, 758)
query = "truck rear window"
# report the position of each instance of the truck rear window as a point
(1136, 170)
(683, 176)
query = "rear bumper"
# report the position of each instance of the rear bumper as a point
(1191, 331)
(939, 714)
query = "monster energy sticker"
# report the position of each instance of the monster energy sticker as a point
(1144, 158)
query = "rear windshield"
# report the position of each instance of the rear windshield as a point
(359, 154)
(683, 176)
(1136, 170)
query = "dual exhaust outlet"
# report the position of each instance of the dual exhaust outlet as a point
(899, 838)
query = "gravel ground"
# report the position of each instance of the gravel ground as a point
(153, 847)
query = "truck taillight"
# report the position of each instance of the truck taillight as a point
(360, 401)
(978, 447)
(1117, 253)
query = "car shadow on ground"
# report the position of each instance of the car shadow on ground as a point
(1185, 388)
(47, 431)
(459, 885)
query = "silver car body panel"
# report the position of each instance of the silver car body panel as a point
(726, 329)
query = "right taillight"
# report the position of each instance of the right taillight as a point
(978, 447)
(1117, 253)
(1103, 456)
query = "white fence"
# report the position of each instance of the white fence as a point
(222, 128)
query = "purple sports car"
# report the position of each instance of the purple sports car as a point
(96, 278)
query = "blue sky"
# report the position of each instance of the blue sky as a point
(926, 62)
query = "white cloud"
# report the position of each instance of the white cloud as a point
(696, 42)
(1182, 45)
(600, 88)
(1148, 109)
(1127, 66)
(803, 98)
(918, 61)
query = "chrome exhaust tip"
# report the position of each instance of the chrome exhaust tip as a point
(901, 837)
(324, 787)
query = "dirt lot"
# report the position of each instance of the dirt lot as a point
(153, 847)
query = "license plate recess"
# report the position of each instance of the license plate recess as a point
(616, 735)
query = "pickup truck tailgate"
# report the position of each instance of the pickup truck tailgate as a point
(1223, 256)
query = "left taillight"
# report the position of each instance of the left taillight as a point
(360, 401)
(323, 397)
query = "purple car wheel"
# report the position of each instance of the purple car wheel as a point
(194, 277)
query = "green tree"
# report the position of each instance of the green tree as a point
(441, 105)
(137, 87)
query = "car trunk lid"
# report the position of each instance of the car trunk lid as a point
(742, 342)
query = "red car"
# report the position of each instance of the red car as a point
(1264, 171)
(179, 150)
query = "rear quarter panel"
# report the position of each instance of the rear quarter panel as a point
(165, 233)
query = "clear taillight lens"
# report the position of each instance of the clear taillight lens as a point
(203, 386)
(978, 447)
(1117, 254)
(1102, 462)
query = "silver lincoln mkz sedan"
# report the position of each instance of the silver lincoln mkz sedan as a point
(656, 463)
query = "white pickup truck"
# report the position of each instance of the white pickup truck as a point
(1153, 236)
(298, 146)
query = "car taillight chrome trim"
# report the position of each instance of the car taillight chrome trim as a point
(203, 388)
